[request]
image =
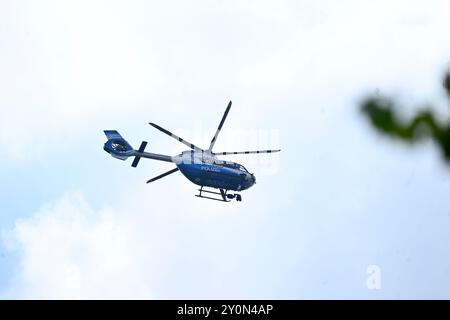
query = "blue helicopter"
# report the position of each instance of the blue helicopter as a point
(201, 167)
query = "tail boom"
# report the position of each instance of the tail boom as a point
(119, 148)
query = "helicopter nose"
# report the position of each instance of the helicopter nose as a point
(251, 180)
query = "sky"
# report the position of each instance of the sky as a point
(340, 213)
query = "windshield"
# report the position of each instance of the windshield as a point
(242, 168)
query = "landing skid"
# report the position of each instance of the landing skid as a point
(224, 197)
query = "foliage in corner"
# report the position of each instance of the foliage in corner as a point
(383, 115)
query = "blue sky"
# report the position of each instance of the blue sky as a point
(76, 223)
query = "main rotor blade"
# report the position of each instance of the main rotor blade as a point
(245, 152)
(213, 141)
(190, 145)
(163, 175)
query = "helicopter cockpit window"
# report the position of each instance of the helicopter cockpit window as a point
(230, 165)
(242, 168)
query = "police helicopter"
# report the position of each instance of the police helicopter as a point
(200, 166)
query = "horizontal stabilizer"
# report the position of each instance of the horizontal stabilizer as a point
(138, 157)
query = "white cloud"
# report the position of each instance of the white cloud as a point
(141, 249)
(68, 250)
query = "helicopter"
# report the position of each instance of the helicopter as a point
(200, 166)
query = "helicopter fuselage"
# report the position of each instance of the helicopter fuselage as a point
(204, 169)
(200, 167)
